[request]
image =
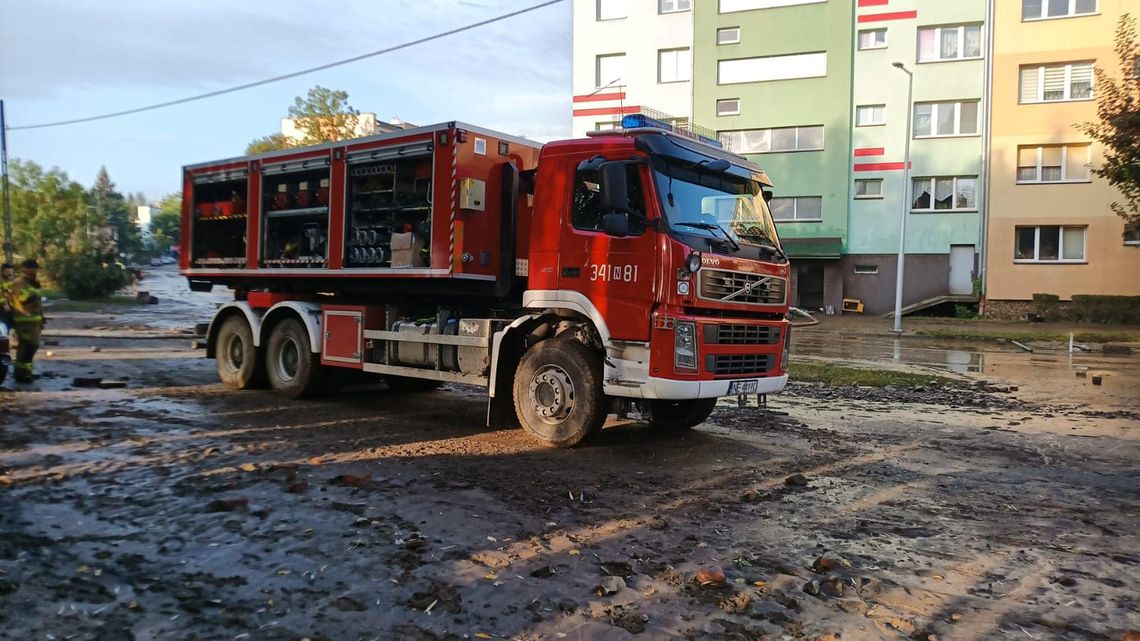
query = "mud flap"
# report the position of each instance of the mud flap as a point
(500, 403)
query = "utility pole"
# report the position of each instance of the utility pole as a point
(8, 249)
(905, 209)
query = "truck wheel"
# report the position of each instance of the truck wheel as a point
(558, 392)
(238, 361)
(294, 370)
(680, 415)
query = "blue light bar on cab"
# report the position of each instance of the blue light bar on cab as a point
(639, 121)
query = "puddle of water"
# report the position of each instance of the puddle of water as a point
(177, 307)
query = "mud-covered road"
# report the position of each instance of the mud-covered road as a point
(174, 509)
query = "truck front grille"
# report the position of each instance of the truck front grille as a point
(742, 287)
(739, 364)
(738, 334)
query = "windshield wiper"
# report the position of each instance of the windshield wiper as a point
(766, 243)
(713, 227)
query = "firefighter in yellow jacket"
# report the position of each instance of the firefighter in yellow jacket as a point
(27, 318)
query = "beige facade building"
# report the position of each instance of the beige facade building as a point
(1050, 228)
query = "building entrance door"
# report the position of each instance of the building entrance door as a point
(961, 269)
(809, 285)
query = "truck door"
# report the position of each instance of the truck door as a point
(618, 275)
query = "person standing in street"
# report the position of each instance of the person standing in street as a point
(27, 318)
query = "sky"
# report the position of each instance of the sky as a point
(64, 59)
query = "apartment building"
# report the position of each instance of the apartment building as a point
(773, 78)
(943, 45)
(1050, 227)
(631, 56)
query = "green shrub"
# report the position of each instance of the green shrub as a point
(85, 273)
(965, 312)
(1091, 308)
(1047, 306)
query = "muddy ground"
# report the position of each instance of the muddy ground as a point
(174, 509)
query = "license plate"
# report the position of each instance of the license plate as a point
(744, 387)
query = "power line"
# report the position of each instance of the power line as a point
(250, 85)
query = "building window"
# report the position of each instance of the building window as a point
(611, 9)
(949, 43)
(763, 141)
(1131, 234)
(870, 115)
(728, 107)
(872, 39)
(1053, 163)
(866, 269)
(1039, 9)
(728, 36)
(609, 70)
(868, 188)
(730, 6)
(799, 209)
(1049, 244)
(933, 119)
(768, 68)
(957, 193)
(609, 125)
(674, 65)
(1053, 83)
(674, 6)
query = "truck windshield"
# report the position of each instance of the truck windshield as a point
(724, 209)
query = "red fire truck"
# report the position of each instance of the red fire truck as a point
(635, 271)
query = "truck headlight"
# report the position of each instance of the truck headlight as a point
(685, 344)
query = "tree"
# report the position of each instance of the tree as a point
(49, 210)
(112, 210)
(166, 221)
(323, 115)
(1118, 124)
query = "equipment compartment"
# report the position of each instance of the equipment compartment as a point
(389, 201)
(295, 197)
(218, 219)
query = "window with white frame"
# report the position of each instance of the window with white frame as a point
(868, 188)
(769, 68)
(799, 208)
(728, 107)
(1049, 244)
(728, 36)
(611, 9)
(609, 125)
(945, 119)
(1053, 83)
(674, 6)
(950, 193)
(872, 39)
(674, 65)
(1041, 9)
(870, 115)
(866, 269)
(730, 6)
(763, 141)
(1053, 163)
(609, 69)
(949, 43)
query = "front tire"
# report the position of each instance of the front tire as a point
(238, 361)
(558, 392)
(294, 370)
(676, 416)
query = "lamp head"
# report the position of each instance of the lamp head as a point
(897, 65)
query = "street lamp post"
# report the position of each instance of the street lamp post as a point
(905, 202)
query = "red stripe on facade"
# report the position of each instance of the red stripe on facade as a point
(872, 3)
(608, 111)
(881, 17)
(879, 166)
(600, 97)
(870, 151)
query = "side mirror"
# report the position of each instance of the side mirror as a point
(614, 188)
(767, 196)
(616, 224)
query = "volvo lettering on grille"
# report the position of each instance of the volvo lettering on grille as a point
(741, 287)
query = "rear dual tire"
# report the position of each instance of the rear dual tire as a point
(238, 361)
(294, 371)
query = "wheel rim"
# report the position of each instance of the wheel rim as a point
(234, 351)
(288, 360)
(552, 394)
